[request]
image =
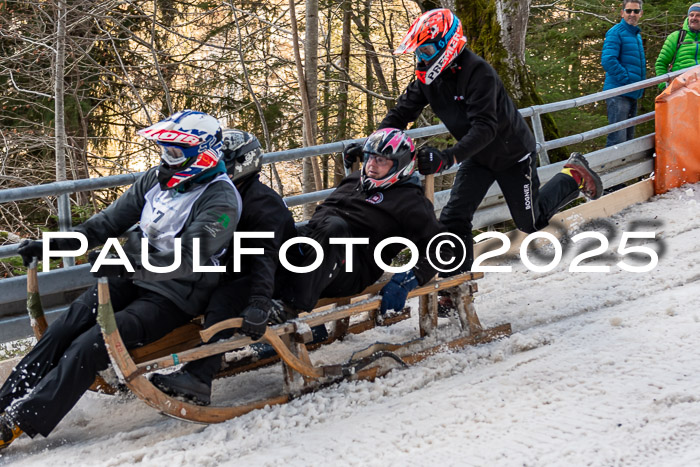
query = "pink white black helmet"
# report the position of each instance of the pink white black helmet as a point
(395, 145)
(190, 143)
(436, 37)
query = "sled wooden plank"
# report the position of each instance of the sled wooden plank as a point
(296, 358)
(183, 338)
(488, 335)
(427, 314)
(311, 319)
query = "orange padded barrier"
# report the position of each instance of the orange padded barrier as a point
(678, 133)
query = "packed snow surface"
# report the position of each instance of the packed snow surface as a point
(601, 369)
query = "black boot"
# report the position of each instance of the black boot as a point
(590, 183)
(184, 385)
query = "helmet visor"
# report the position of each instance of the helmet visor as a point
(380, 160)
(426, 52)
(175, 155)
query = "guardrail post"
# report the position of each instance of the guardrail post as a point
(65, 223)
(539, 135)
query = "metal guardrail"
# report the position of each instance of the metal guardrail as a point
(617, 164)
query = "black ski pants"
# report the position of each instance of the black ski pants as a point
(229, 300)
(302, 290)
(530, 206)
(51, 378)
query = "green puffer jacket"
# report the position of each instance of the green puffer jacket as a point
(688, 53)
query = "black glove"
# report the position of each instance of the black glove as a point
(281, 312)
(30, 249)
(432, 161)
(351, 154)
(107, 270)
(255, 317)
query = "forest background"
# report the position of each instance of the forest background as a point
(292, 73)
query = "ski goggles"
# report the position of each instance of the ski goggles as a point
(380, 160)
(174, 154)
(426, 52)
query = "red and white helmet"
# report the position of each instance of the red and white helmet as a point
(190, 144)
(395, 145)
(436, 37)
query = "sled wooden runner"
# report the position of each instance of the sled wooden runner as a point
(289, 341)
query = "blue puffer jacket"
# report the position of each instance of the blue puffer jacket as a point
(623, 58)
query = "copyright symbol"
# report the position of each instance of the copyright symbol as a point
(434, 249)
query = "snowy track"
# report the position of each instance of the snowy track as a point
(602, 369)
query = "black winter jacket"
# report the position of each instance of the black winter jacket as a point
(470, 99)
(402, 210)
(263, 211)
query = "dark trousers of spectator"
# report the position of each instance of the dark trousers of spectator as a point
(620, 108)
(530, 206)
(51, 378)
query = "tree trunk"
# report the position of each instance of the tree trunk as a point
(496, 31)
(369, 77)
(64, 215)
(342, 133)
(308, 123)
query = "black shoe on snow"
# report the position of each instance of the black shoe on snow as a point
(183, 385)
(591, 185)
(9, 431)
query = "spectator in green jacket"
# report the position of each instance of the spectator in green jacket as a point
(681, 49)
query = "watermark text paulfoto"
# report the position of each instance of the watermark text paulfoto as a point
(445, 252)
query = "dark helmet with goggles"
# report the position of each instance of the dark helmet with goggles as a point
(242, 153)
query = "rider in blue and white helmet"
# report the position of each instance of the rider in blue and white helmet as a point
(190, 143)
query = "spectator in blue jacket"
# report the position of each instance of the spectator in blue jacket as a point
(624, 63)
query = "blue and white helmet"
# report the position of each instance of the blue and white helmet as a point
(190, 143)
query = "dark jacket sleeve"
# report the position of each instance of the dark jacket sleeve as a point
(407, 109)
(480, 89)
(270, 215)
(119, 216)
(212, 220)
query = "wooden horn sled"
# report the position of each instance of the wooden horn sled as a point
(291, 342)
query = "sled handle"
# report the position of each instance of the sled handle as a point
(34, 308)
(231, 323)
